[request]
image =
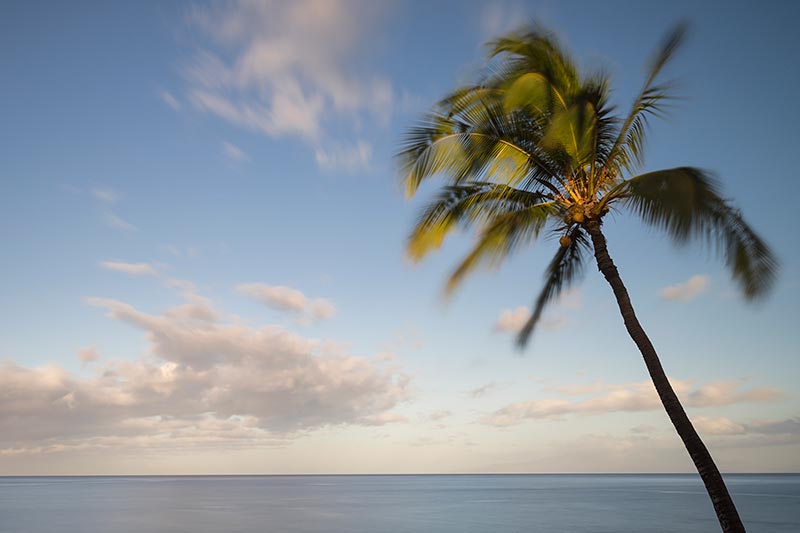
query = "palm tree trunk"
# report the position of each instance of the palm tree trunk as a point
(723, 504)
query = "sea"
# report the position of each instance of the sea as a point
(393, 503)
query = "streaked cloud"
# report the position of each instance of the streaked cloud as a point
(630, 397)
(282, 298)
(132, 269)
(512, 320)
(202, 382)
(105, 194)
(170, 100)
(115, 221)
(726, 426)
(291, 70)
(483, 390)
(88, 355)
(688, 290)
(233, 152)
(348, 158)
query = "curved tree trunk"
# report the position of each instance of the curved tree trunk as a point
(723, 504)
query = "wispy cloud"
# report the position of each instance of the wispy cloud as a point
(115, 221)
(132, 269)
(726, 426)
(629, 397)
(105, 194)
(284, 298)
(233, 152)
(512, 320)
(483, 390)
(688, 290)
(348, 158)
(288, 71)
(170, 100)
(88, 355)
(106, 197)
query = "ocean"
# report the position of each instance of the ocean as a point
(402, 503)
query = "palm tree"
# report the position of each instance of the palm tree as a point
(535, 146)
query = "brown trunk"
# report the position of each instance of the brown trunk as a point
(723, 504)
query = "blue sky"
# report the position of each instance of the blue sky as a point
(203, 238)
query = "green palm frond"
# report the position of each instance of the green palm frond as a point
(628, 149)
(687, 203)
(463, 205)
(473, 139)
(500, 236)
(534, 49)
(563, 270)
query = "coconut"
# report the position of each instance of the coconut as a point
(578, 217)
(565, 241)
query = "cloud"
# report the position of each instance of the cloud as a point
(436, 416)
(629, 397)
(483, 390)
(88, 355)
(283, 298)
(512, 320)
(726, 426)
(105, 195)
(688, 290)
(132, 269)
(348, 158)
(115, 221)
(498, 18)
(170, 100)
(290, 69)
(203, 381)
(233, 152)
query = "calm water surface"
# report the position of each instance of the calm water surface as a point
(458, 503)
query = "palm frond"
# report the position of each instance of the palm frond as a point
(628, 148)
(470, 137)
(686, 203)
(534, 49)
(463, 205)
(501, 235)
(563, 270)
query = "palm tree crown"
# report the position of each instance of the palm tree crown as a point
(535, 146)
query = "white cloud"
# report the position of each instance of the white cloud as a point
(717, 426)
(289, 69)
(322, 309)
(88, 355)
(498, 18)
(436, 416)
(351, 159)
(275, 296)
(203, 382)
(629, 397)
(688, 290)
(512, 320)
(284, 298)
(726, 426)
(233, 152)
(105, 194)
(115, 221)
(132, 269)
(170, 100)
(483, 390)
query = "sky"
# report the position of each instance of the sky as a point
(203, 231)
